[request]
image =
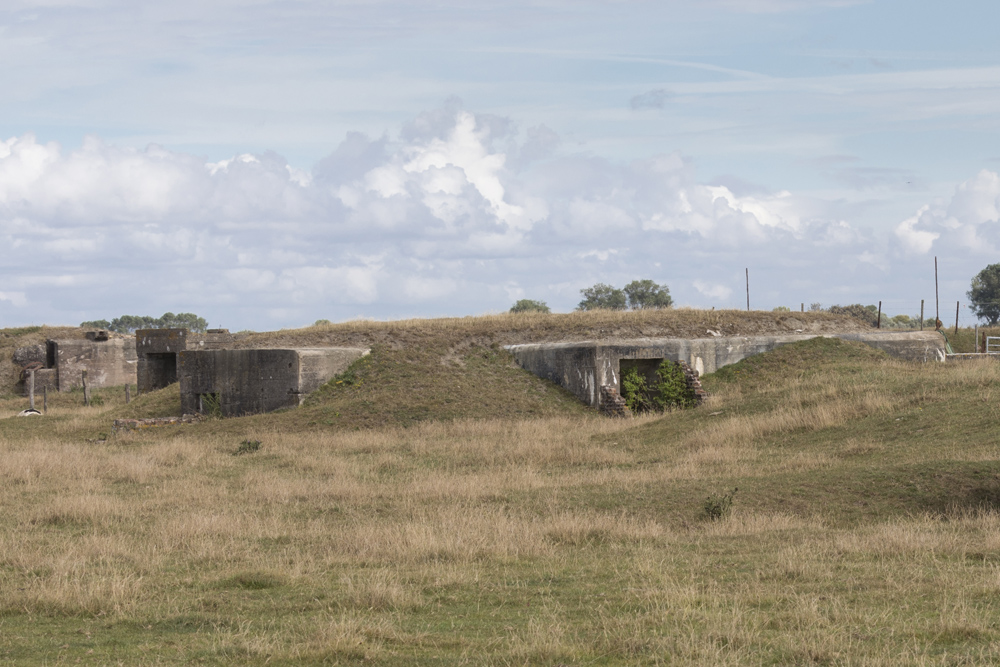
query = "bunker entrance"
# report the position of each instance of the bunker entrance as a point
(162, 369)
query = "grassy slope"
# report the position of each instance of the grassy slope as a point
(864, 528)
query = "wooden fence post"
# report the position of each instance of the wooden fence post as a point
(45, 399)
(86, 390)
(128, 396)
(31, 389)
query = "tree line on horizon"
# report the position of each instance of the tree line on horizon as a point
(984, 297)
(127, 324)
(637, 295)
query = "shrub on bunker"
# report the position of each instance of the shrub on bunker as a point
(665, 388)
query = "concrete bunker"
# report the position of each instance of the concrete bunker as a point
(238, 382)
(59, 365)
(592, 369)
(158, 351)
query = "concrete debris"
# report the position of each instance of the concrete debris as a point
(153, 422)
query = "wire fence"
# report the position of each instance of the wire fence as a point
(905, 313)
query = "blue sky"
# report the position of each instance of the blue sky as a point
(266, 164)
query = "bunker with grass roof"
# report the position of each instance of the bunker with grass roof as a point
(231, 383)
(592, 370)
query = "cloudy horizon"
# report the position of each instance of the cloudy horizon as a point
(272, 164)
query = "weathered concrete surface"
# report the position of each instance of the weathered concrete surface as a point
(45, 378)
(157, 351)
(584, 367)
(213, 339)
(261, 380)
(108, 363)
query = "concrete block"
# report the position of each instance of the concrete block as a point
(108, 363)
(157, 351)
(253, 381)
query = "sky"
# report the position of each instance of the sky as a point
(268, 164)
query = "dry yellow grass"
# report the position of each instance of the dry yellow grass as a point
(546, 541)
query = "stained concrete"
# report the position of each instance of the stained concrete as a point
(253, 381)
(45, 379)
(108, 363)
(584, 367)
(157, 350)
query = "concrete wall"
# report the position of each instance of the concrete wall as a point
(157, 351)
(584, 367)
(45, 378)
(252, 381)
(108, 363)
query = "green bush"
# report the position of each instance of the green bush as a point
(530, 306)
(669, 390)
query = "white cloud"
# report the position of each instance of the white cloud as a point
(915, 240)
(713, 291)
(967, 224)
(434, 217)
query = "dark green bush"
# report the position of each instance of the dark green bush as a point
(669, 390)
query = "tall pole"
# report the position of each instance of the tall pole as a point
(879, 325)
(31, 390)
(937, 300)
(748, 289)
(956, 316)
(921, 314)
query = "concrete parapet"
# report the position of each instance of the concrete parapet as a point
(257, 380)
(586, 366)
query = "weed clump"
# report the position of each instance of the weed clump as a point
(718, 507)
(247, 447)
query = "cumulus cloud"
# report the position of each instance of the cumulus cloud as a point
(967, 224)
(436, 220)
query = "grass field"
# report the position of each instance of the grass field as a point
(440, 506)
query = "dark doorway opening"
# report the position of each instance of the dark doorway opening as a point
(162, 369)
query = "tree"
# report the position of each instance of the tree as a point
(530, 306)
(602, 297)
(647, 294)
(95, 324)
(985, 294)
(188, 321)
